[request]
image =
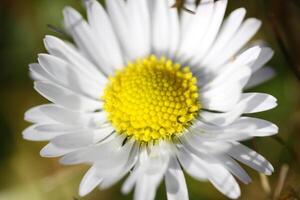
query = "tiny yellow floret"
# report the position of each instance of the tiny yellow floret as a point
(151, 99)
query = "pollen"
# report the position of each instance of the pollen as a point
(152, 99)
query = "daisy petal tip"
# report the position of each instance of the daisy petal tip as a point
(243, 10)
(42, 56)
(89, 182)
(26, 118)
(36, 85)
(68, 160)
(276, 129)
(275, 104)
(64, 161)
(71, 14)
(268, 173)
(272, 169)
(83, 191)
(125, 190)
(269, 170)
(26, 134)
(269, 51)
(31, 135)
(255, 22)
(48, 39)
(31, 65)
(68, 9)
(45, 153)
(273, 99)
(234, 194)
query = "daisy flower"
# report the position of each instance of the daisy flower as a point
(146, 93)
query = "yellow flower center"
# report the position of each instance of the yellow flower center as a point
(151, 99)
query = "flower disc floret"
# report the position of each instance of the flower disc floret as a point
(152, 99)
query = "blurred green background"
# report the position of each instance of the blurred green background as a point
(24, 175)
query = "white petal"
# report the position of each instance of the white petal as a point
(217, 100)
(57, 47)
(119, 18)
(174, 30)
(265, 55)
(102, 28)
(223, 180)
(123, 163)
(196, 29)
(258, 102)
(103, 152)
(232, 166)
(249, 56)
(242, 129)
(186, 17)
(190, 143)
(190, 165)
(221, 119)
(146, 188)
(251, 158)
(140, 26)
(160, 27)
(260, 76)
(132, 25)
(154, 167)
(234, 72)
(233, 149)
(86, 40)
(42, 132)
(75, 140)
(66, 98)
(61, 128)
(102, 133)
(36, 115)
(81, 138)
(221, 159)
(51, 150)
(228, 29)
(30, 134)
(212, 31)
(89, 182)
(131, 179)
(249, 103)
(64, 74)
(213, 96)
(218, 176)
(62, 115)
(244, 34)
(148, 171)
(175, 182)
(38, 73)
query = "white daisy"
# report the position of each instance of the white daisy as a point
(149, 92)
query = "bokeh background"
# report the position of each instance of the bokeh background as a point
(24, 175)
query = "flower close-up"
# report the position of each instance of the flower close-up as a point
(146, 92)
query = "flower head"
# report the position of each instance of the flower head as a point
(152, 91)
